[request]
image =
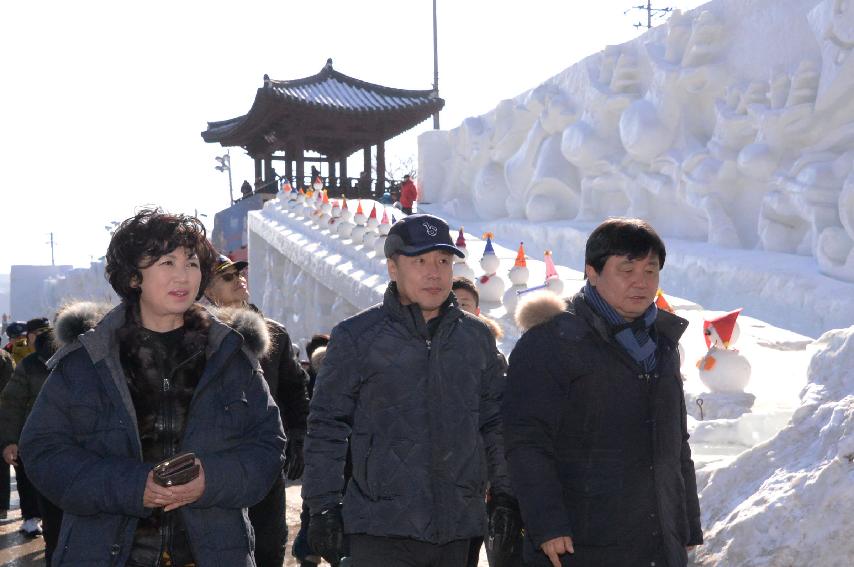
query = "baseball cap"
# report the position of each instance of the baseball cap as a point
(418, 234)
(223, 263)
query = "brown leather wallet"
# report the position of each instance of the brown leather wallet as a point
(176, 470)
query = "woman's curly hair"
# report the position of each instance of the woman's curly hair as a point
(141, 240)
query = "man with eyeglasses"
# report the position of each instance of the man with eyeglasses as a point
(288, 386)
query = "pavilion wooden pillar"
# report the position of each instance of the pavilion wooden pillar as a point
(366, 167)
(333, 184)
(268, 172)
(381, 167)
(289, 166)
(344, 184)
(259, 169)
(299, 155)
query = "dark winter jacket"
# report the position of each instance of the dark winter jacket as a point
(19, 395)
(7, 367)
(287, 380)
(419, 412)
(597, 450)
(83, 451)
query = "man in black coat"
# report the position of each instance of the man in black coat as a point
(594, 414)
(412, 387)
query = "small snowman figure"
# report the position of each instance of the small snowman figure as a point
(518, 278)
(359, 218)
(461, 266)
(317, 184)
(308, 204)
(325, 210)
(723, 369)
(335, 213)
(345, 225)
(553, 282)
(290, 194)
(490, 286)
(371, 230)
(379, 243)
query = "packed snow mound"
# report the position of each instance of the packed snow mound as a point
(730, 124)
(788, 501)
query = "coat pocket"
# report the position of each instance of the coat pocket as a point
(234, 414)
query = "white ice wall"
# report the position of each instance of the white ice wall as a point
(730, 124)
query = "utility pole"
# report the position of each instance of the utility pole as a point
(650, 13)
(52, 261)
(435, 66)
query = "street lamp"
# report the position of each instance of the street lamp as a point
(225, 165)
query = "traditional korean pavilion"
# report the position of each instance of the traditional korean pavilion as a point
(329, 113)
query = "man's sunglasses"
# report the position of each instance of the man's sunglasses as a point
(230, 276)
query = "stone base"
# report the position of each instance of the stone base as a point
(719, 405)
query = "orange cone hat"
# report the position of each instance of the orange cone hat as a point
(520, 257)
(359, 210)
(661, 302)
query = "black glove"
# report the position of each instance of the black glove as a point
(505, 524)
(326, 534)
(294, 463)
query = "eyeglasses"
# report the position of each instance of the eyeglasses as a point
(230, 276)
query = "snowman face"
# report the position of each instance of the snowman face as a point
(518, 275)
(490, 263)
(359, 218)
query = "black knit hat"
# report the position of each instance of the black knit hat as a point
(37, 324)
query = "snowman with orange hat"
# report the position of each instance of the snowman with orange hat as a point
(359, 228)
(371, 230)
(723, 369)
(383, 228)
(325, 210)
(518, 275)
(461, 267)
(345, 225)
(490, 286)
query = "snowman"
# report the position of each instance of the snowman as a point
(317, 184)
(290, 194)
(723, 369)
(553, 282)
(384, 228)
(518, 278)
(335, 214)
(359, 218)
(461, 267)
(308, 204)
(373, 223)
(322, 207)
(490, 286)
(345, 225)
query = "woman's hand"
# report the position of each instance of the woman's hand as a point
(156, 496)
(187, 493)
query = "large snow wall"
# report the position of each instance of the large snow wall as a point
(729, 125)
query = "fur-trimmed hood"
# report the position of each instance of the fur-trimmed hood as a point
(78, 318)
(537, 308)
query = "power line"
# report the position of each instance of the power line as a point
(650, 13)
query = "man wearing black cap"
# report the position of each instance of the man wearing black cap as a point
(288, 384)
(412, 387)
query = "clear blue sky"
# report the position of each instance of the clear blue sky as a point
(103, 102)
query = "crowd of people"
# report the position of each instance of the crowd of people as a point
(162, 431)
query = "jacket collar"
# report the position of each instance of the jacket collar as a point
(666, 324)
(410, 315)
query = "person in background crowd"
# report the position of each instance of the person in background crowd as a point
(594, 415)
(288, 383)
(246, 189)
(408, 194)
(16, 401)
(7, 367)
(511, 556)
(17, 345)
(117, 402)
(316, 342)
(415, 384)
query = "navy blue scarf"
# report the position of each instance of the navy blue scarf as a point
(636, 337)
